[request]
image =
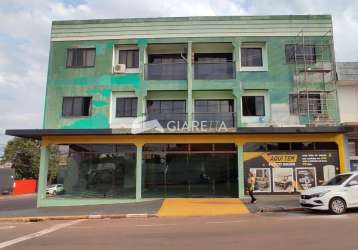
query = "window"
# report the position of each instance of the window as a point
(300, 54)
(214, 106)
(213, 57)
(166, 106)
(130, 58)
(166, 58)
(251, 57)
(253, 106)
(303, 104)
(76, 106)
(337, 180)
(126, 107)
(81, 57)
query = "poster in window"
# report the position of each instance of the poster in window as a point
(306, 178)
(282, 180)
(263, 179)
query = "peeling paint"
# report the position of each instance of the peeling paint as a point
(99, 120)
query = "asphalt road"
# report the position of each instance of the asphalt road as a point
(8, 202)
(253, 231)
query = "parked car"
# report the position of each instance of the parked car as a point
(336, 195)
(55, 189)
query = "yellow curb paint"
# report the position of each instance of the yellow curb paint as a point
(202, 207)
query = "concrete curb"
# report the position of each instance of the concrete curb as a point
(280, 209)
(75, 217)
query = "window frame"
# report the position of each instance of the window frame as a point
(172, 106)
(115, 57)
(132, 115)
(81, 66)
(301, 111)
(72, 106)
(314, 59)
(263, 47)
(254, 96)
(231, 104)
(126, 50)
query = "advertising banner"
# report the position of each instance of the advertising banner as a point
(263, 179)
(290, 171)
(306, 178)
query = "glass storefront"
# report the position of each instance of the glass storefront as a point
(189, 170)
(95, 171)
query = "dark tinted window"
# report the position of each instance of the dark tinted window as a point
(337, 180)
(251, 57)
(201, 147)
(213, 57)
(297, 53)
(255, 147)
(166, 58)
(129, 57)
(253, 106)
(326, 146)
(278, 146)
(126, 107)
(166, 106)
(81, 57)
(224, 147)
(76, 106)
(177, 147)
(214, 106)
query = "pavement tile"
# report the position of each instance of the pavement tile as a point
(202, 207)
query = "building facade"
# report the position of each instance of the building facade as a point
(347, 86)
(187, 107)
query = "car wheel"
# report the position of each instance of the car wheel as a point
(337, 206)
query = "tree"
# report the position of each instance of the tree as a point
(24, 154)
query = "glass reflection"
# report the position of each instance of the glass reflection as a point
(96, 171)
(189, 173)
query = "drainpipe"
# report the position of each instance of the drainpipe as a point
(237, 91)
(190, 84)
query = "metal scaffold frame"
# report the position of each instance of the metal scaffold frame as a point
(315, 79)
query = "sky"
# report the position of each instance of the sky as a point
(25, 30)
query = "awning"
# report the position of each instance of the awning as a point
(39, 133)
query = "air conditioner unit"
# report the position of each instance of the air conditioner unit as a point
(119, 68)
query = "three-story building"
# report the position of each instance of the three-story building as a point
(188, 106)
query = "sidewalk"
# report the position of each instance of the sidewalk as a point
(145, 207)
(274, 203)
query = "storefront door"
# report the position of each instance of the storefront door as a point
(183, 170)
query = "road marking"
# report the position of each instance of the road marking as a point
(155, 225)
(38, 234)
(6, 227)
(223, 222)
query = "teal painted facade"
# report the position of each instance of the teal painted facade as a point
(99, 81)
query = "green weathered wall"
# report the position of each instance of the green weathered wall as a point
(99, 81)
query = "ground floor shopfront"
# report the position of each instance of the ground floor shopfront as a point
(113, 168)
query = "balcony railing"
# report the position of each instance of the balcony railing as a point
(166, 71)
(215, 120)
(214, 71)
(168, 120)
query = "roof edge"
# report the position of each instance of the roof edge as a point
(193, 18)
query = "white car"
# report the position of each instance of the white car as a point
(55, 189)
(336, 195)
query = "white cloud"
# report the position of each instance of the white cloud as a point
(25, 28)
